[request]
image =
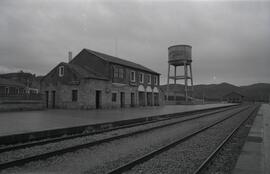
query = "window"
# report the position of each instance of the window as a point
(6, 90)
(114, 96)
(132, 76)
(74, 95)
(141, 78)
(118, 72)
(170, 98)
(149, 79)
(17, 90)
(61, 71)
(121, 73)
(156, 80)
(115, 72)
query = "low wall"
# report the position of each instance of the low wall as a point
(21, 105)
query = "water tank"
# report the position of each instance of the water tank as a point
(178, 54)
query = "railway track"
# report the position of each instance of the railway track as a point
(22, 161)
(204, 166)
(128, 166)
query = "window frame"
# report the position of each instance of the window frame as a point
(141, 79)
(61, 71)
(132, 77)
(156, 80)
(120, 73)
(17, 90)
(115, 72)
(149, 79)
(6, 90)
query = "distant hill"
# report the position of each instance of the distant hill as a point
(258, 91)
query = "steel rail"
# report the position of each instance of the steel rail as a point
(164, 148)
(19, 162)
(58, 139)
(208, 160)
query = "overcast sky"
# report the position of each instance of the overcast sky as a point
(230, 40)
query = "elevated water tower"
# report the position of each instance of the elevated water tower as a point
(180, 56)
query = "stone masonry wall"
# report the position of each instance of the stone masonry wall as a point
(87, 94)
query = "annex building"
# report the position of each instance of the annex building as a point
(96, 80)
(233, 97)
(11, 87)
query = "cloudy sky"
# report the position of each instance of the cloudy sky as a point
(230, 39)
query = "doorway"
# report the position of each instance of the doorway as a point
(132, 97)
(53, 99)
(156, 99)
(98, 99)
(141, 99)
(47, 99)
(149, 98)
(122, 99)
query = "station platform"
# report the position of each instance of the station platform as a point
(255, 155)
(32, 121)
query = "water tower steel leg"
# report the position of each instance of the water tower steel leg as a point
(191, 79)
(168, 81)
(175, 81)
(185, 68)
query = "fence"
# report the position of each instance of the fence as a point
(17, 97)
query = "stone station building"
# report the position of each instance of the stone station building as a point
(233, 97)
(96, 80)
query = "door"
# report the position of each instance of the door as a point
(132, 98)
(47, 99)
(122, 99)
(53, 99)
(149, 99)
(141, 98)
(98, 99)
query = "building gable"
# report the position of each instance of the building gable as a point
(93, 64)
(61, 73)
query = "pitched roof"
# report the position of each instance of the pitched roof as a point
(85, 73)
(233, 92)
(9, 82)
(117, 60)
